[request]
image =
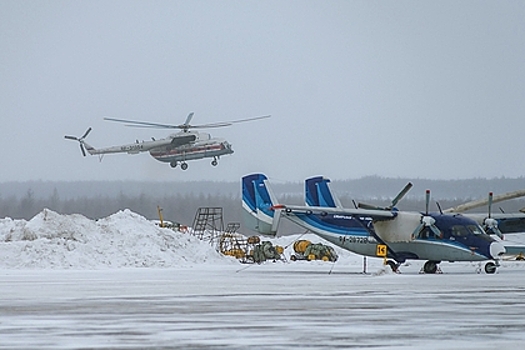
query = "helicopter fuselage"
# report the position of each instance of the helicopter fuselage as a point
(176, 148)
(204, 146)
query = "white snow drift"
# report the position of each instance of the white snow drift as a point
(124, 239)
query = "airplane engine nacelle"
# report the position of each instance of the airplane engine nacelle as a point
(399, 229)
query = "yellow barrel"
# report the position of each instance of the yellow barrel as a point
(253, 240)
(301, 245)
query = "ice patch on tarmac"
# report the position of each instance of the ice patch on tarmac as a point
(124, 239)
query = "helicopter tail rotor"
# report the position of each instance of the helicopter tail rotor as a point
(80, 140)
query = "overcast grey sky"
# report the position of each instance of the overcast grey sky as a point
(398, 89)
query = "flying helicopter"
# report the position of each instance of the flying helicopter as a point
(177, 148)
(366, 230)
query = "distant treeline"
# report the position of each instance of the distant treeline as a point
(366, 187)
(180, 201)
(179, 208)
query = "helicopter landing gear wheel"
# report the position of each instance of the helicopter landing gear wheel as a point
(214, 162)
(430, 267)
(490, 268)
(173, 164)
(184, 166)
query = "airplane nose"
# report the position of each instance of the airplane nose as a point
(497, 250)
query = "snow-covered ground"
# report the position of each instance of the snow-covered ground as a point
(67, 282)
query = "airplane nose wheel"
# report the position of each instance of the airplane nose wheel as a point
(490, 268)
(214, 162)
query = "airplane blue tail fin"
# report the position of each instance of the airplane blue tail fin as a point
(257, 202)
(318, 193)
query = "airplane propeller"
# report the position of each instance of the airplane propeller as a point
(490, 224)
(184, 127)
(80, 140)
(427, 222)
(394, 202)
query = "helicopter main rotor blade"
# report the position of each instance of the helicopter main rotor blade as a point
(139, 124)
(248, 119)
(185, 126)
(189, 118)
(228, 123)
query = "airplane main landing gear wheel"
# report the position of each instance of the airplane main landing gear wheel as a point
(490, 268)
(173, 164)
(184, 166)
(393, 265)
(214, 162)
(430, 267)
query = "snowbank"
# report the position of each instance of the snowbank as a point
(124, 239)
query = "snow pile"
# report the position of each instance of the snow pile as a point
(124, 239)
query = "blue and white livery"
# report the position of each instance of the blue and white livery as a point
(434, 237)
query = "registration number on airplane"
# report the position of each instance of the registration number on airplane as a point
(355, 239)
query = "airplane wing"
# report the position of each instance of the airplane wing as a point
(506, 222)
(510, 223)
(513, 251)
(374, 214)
(482, 202)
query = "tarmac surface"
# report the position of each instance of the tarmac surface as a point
(271, 306)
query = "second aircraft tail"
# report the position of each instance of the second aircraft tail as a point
(318, 193)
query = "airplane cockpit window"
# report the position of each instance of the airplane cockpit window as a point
(463, 231)
(476, 229)
(459, 231)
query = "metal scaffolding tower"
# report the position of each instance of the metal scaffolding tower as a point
(208, 224)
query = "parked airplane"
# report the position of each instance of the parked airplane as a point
(398, 235)
(177, 148)
(493, 224)
(498, 224)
